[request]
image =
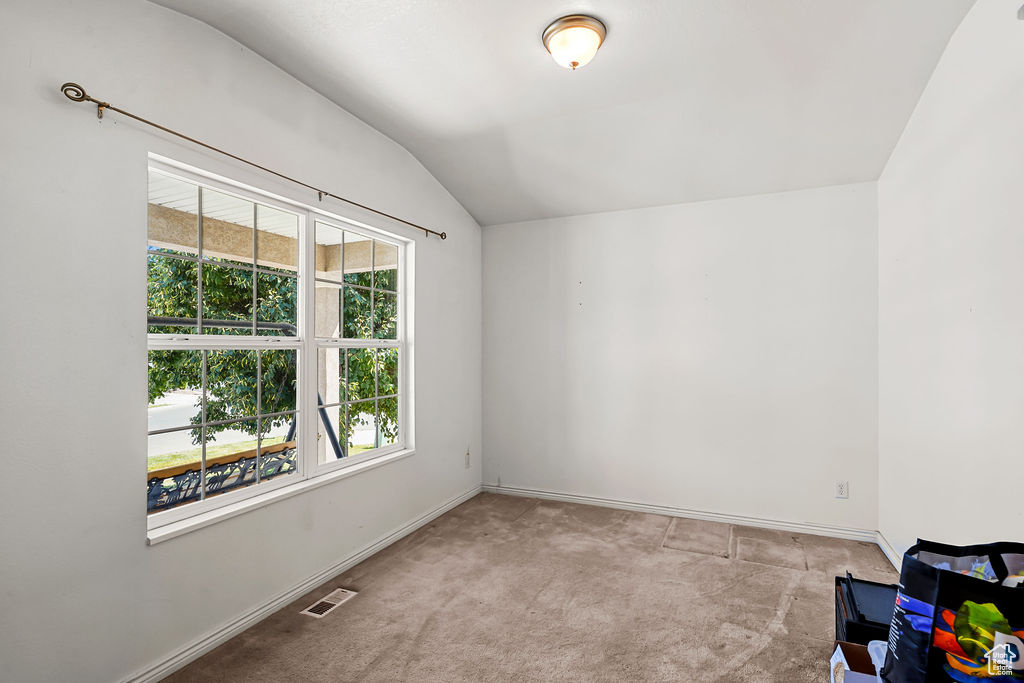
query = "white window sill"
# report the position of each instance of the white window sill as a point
(175, 529)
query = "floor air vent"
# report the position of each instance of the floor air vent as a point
(323, 606)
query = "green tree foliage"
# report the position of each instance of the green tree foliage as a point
(232, 375)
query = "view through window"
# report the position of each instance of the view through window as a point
(229, 328)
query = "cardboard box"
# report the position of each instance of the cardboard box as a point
(851, 663)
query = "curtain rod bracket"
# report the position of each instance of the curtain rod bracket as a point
(76, 93)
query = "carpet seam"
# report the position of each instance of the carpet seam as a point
(668, 530)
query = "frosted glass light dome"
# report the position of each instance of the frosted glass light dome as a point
(573, 40)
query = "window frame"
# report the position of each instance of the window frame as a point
(309, 471)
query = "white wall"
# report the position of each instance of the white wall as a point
(82, 598)
(718, 356)
(951, 312)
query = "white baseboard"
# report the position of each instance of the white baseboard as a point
(890, 552)
(204, 644)
(853, 534)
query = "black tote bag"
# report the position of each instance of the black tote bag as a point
(959, 615)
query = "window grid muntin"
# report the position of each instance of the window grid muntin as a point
(217, 423)
(341, 403)
(259, 367)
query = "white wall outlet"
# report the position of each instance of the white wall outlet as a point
(842, 489)
(467, 459)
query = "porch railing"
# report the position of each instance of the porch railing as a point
(172, 486)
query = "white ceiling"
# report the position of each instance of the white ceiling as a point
(687, 100)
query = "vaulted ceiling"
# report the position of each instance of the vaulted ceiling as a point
(687, 100)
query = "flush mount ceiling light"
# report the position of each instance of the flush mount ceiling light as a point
(573, 40)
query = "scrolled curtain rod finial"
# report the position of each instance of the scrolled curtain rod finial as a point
(75, 92)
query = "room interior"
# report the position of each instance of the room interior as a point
(725, 312)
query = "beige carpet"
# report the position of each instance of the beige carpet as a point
(505, 588)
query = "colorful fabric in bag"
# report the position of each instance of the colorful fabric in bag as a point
(959, 615)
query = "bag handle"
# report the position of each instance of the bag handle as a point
(994, 552)
(999, 566)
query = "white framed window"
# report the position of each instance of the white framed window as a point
(268, 321)
(359, 346)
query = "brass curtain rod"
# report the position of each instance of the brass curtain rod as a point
(77, 93)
